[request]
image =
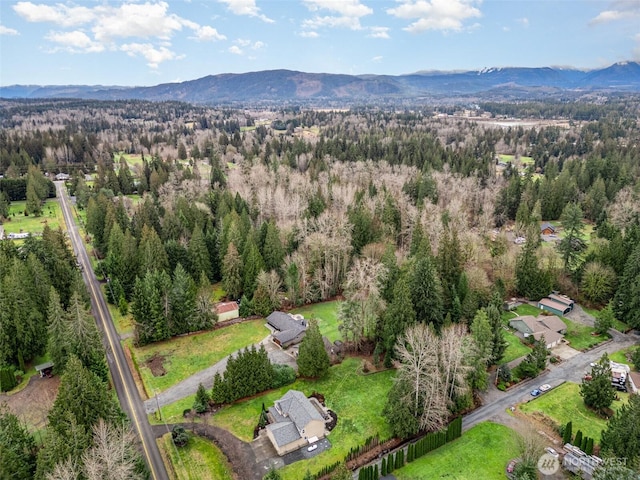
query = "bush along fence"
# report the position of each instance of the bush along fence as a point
(413, 451)
(583, 442)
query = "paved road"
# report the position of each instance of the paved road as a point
(571, 370)
(120, 373)
(189, 386)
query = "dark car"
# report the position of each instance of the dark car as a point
(535, 393)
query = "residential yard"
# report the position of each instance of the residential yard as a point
(617, 324)
(580, 336)
(564, 404)
(482, 452)
(621, 356)
(327, 315)
(181, 357)
(200, 459)
(516, 348)
(524, 309)
(18, 222)
(357, 399)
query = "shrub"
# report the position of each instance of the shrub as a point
(283, 375)
(7, 379)
(180, 436)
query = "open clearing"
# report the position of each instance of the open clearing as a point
(564, 404)
(580, 336)
(200, 459)
(516, 348)
(357, 399)
(482, 452)
(327, 315)
(18, 222)
(510, 158)
(181, 357)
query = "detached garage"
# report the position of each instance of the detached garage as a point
(227, 311)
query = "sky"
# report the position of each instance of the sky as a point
(107, 42)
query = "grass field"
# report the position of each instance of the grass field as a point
(483, 452)
(621, 356)
(19, 223)
(564, 404)
(357, 399)
(617, 324)
(199, 459)
(516, 348)
(327, 315)
(580, 336)
(124, 325)
(184, 356)
(131, 159)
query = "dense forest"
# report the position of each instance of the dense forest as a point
(411, 217)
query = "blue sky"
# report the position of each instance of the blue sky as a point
(149, 42)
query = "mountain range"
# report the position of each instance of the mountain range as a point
(293, 86)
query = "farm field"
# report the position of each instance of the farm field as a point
(564, 404)
(485, 448)
(357, 399)
(200, 459)
(327, 315)
(176, 359)
(18, 222)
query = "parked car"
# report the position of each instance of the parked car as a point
(551, 451)
(535, 393)
(312, 447)
(544, 388)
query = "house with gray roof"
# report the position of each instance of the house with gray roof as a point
(287, 329)
(550, 327)
(295, 421)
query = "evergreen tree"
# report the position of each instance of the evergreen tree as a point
(182, 301)
(17, 448)
(151, 253)
(598, 392)
(449, 263)
(622, 437)
(531, 281)
(204, 315)
(199, 259)
(125, 179)
(252, 266)
(604, 320)
(272, 250)
(398, 316)
(499, 343)
(58, 334)
(567, 434)
(571, 245)
(426, 292)
(201, 402)
(232, 272)
(313, 360)
(627, 299)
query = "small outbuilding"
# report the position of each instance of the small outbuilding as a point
(554, 306)
(227, 311)
(547, 229)
(45, 369)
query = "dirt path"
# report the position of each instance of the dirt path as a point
(239, 453)
(32, 404)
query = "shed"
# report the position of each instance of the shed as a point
(227, 311)
(547, 229)
(45, 369)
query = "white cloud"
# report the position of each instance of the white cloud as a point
(59, 14)
(207, 33)
(74, 42)
(377, 59)
(105, 27)
(524, 21)
(258, 45)
(347, 14)
(444, 15)
(379, 32)
(309, 34)
(246, 7)
(8, 31)
(619, 10)
(241, 44)
(236, 50)
(154, 56)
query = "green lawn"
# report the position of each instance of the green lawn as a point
(510, 158)
(617, 324)
(200, 459)
(184, 356)
(19, 223)
(579, 336)
(124, 324)
(327, 315)
(564, 404)
(131, 159)
(357, 399)
(218, 292)
(524, 309)
(516, 348)
(621, 356)
(482, 452)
